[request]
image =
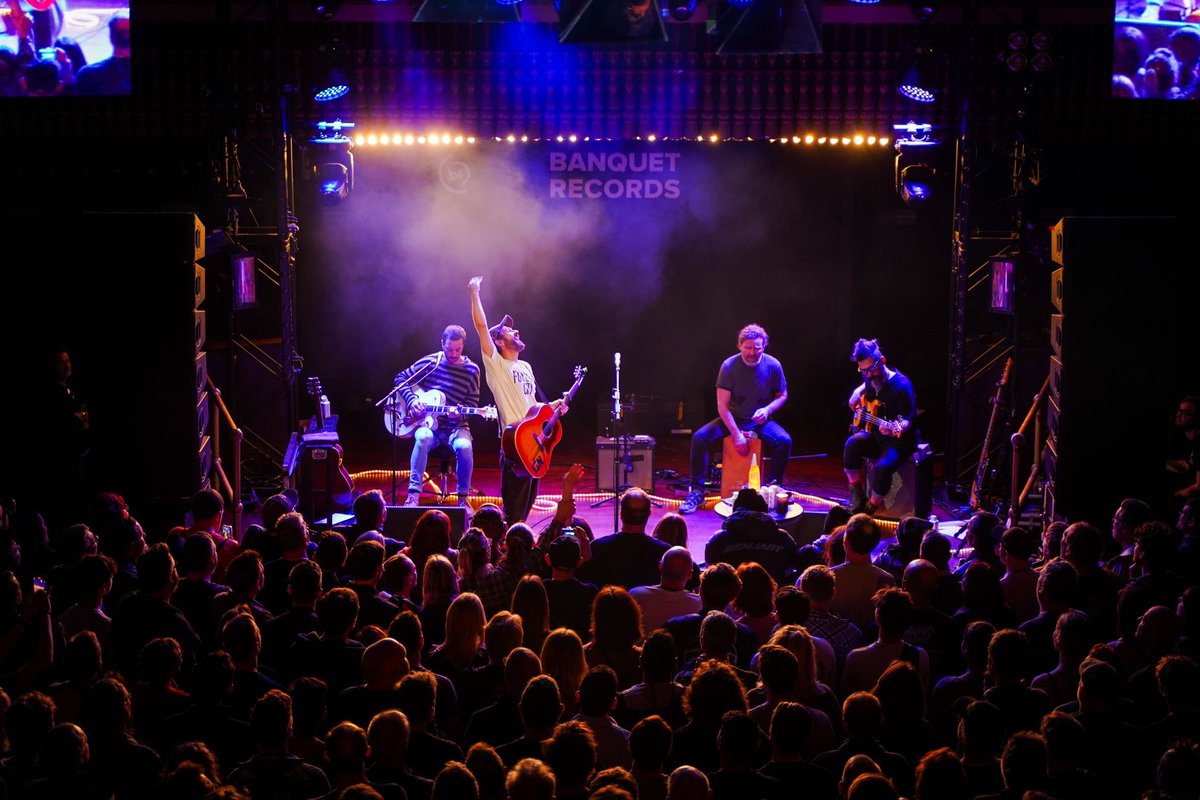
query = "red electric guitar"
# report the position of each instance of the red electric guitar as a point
(528, 443)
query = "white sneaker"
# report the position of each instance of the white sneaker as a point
(692, 503)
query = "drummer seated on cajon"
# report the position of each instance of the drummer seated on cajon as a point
(750, 388)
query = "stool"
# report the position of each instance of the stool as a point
(444, 454)
(910, 494)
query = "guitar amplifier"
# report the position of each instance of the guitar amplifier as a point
(640, 470)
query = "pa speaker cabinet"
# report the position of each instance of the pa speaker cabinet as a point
(401, 520)
(638, 472)
(1127, 287)
(144, 349)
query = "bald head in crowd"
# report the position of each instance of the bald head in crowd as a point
(384, 663)
(687, 783)
(676, 568)
(635, 510)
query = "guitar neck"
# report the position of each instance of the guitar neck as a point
(454, 410)
(556, 411)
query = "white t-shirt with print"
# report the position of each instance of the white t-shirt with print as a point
(513, 386)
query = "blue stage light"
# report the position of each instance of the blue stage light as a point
(682, 10)
(916, 185)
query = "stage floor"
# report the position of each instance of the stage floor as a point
(816, 479)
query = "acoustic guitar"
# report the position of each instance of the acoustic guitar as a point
(866, 418)
(401, 424)
(321, 447)
(529, 443)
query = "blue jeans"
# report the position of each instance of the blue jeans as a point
(458, 439)
(777, 445)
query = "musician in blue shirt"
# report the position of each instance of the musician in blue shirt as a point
(457, 377)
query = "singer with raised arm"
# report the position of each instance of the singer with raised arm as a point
(884, 407)
(445, 378)
(515, 390)
(750, 389)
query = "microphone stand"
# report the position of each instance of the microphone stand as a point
(622, 463)
(391, 399)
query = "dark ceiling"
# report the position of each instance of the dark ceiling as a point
(195, 75)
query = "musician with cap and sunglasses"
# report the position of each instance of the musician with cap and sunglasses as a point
(885, 410)
(515, 390)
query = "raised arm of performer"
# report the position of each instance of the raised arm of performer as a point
(479, 318)
(515, 389)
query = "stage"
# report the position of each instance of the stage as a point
(815, 481)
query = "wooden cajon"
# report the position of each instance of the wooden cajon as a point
(735, 468)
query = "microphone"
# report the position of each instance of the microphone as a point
(616, 389)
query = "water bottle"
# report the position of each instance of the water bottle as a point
(933, 520)
(325, 412)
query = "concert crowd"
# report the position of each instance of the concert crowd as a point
(283, 662)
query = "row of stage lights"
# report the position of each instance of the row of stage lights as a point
(333, 156)
(393, 139)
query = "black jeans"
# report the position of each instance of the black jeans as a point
(517, 492)
(886, 453)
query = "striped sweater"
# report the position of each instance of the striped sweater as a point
(459, 382)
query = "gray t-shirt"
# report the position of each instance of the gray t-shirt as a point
(751, 388)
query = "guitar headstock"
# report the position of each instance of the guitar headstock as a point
(580, 371)
(489, 412)
(313, 386)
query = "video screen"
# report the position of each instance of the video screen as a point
(51, 48)
(1156, 49)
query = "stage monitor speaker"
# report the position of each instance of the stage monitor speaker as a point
(641, 466)
(401, 520)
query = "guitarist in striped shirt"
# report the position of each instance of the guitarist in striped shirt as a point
(884, 408)
(457, 377)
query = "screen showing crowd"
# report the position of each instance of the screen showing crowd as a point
(64, 47)
(1156, 48)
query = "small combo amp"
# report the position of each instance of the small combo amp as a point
(639, 471)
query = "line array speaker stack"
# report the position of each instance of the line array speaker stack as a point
(1121, 355)
(147, 362)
